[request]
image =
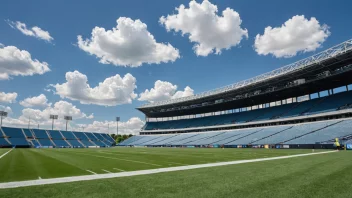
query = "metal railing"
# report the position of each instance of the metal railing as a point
(301, 64)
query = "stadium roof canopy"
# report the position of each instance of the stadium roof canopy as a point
(325, 70)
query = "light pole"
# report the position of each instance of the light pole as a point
(2, 114)
(29, 122)
(67, 118)
(53, 117)
(117, 125)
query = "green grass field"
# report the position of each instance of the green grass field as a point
(326, 175)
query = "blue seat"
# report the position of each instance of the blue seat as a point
(90, 136)
(55, 134)
(68, 135)
(60, 143)
(28, 133)
(40, 134)
(81, 136)
(87, 143)
(13, 132)
(3, 142)
(18, 141)
(45, 142)
(75, 143)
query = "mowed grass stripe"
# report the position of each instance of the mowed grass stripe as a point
(3, 154)
(326, 175)
(4, 150)
(25, 164)
(94, 163)
(51, 163)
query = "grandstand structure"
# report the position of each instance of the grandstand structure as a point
(27, 138)
(305, 104)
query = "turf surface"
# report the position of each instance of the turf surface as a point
(29, 164)
(326, 175)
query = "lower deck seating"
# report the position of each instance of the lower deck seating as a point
(51, 138)
(60, 143)
(3, 142)
(305, 133)
(18, 142)
(35, 143)
(87, 143)
(45, 142)
(75, 143)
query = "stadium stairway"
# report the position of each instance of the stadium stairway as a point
(312, 131)
(63, 137)
(280, 131)
(179, 138)
(251, 133)
(164, 138)
(206, 140)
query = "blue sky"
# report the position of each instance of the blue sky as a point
(65, 20)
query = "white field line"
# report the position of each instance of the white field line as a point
(176, 163)
(118, 169)
(3, 155)
(106, 171)
(91, 172)
(141, 172)
(121, 159)
(39, 178)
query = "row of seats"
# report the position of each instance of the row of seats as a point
(305, 133)
(52, 138)
(314, 106)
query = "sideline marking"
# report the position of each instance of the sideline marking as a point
(39, 178)
(177, 163)
(3, 155)
(141, 172)
(91, 172)
(118, 169)
(121, 159)
(106, 171)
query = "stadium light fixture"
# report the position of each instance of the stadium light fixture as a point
(2, 114)
(67, 118)
(117, 125)
(53, 117)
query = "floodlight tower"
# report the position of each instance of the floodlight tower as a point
(53, 117)
(117, 125)
(2, 114)
(67, 118)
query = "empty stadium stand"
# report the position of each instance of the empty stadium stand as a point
(296, 134)
(18, 137)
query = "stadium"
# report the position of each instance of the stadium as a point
(172, 99)
(295, 112)
(307, 104)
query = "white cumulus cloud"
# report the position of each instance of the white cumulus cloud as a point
(40, 101)
(34, 31)
(61, 108)
(112, 91)
(132, 126)
(211, 33)
(6, 109)
(128, 44)
(164, 90)
(298, 34)
(16, 62)
(8, 97)
(41, 117)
